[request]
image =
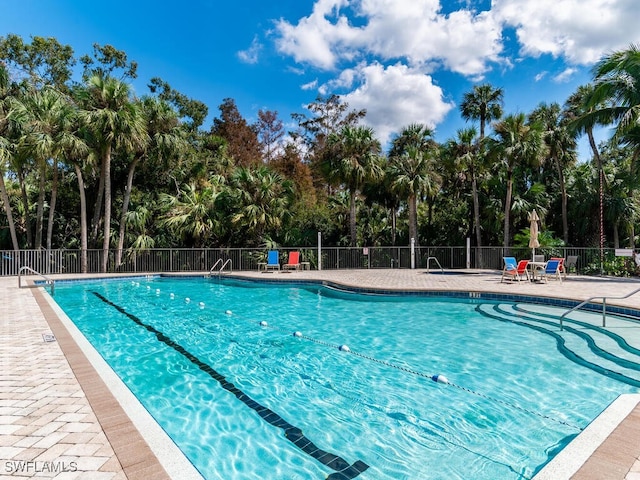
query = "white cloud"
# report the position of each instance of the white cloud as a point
(540, 76)
(580, 31)
(250, 55)
(394, 97)
(413, 30)
(565, 75)
(310, 85)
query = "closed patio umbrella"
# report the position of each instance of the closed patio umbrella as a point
(533, 231)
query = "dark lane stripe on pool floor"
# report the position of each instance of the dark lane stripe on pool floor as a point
(344, 471)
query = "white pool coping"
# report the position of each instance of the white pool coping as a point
(567, 463)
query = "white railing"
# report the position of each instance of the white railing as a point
(604, 306)
(47, 280)
(221, 269)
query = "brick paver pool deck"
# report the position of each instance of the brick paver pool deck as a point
(59, 417)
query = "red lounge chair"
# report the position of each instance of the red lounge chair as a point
(293, 263)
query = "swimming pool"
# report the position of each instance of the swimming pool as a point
(249, 401)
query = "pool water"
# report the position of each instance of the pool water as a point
(246, 401)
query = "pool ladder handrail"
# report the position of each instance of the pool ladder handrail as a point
(224, 264)
(437, 263)
(47, 280)
(604, 306)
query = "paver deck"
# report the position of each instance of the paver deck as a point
(58, 418)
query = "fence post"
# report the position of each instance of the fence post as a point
(319, 251)
(468, 252)
(413, 253)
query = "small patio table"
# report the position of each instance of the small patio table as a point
(535, 266)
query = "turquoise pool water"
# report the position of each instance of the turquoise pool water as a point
(247, 401)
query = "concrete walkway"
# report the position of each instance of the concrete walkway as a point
(59, 419)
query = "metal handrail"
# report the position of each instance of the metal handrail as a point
(48, 281)
(604, 306)
(437, 263)
(219, 261)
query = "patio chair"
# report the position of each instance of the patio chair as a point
(273, 260)
(572, 262)
(538, 258)
(560, 265)
(551, 270)
(293, 262)
(517, 273)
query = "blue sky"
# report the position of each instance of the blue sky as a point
(405, 61)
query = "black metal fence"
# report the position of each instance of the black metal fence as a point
(328, 258)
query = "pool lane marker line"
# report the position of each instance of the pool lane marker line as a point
(343, 471)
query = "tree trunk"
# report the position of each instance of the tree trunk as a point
(476, 211)
(95, 222)
(7, 210)
(40, 207)
(107, 208)
(125, 208)
(25, 206)
(507, 209)
(563, 193)
(413, 222)
(83, 221)
(52, 204)
(352, 217)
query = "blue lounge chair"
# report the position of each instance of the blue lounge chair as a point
(553, 269)
(510, 265)
(273, 260)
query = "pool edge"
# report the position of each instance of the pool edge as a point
(151, 454)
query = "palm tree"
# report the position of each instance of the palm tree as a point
(615, 97)
(561, 150)
(192, 214)
(483, 103)
(5, 152)
(114, 123)
(164, 141)
(48, 122)
(517, 143)
(353, 162)
(412, 169)
(579, 109)
(463, 152)
(259, 201)
(414, 175)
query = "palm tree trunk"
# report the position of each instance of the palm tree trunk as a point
(507, 209)
(25, 206)
(476, 211)
(352, 217)
(52, 203)
(563, 193)
(413, 223)
(83, 221)
(107, 208)
(95, 221)
(40, 207)
(7, 210)
(125, 208)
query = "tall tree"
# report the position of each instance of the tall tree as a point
(113, 122)
(353, 162)
(517, 143)
(242, 138)
(42, 62)
(411, 168)
(270, 132)
(5, 152)
(484, 104)
(164, 141)
(561, 150)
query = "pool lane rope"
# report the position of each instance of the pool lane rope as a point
(438, 378)
(342, 469)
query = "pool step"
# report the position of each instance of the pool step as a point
(581, 341)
